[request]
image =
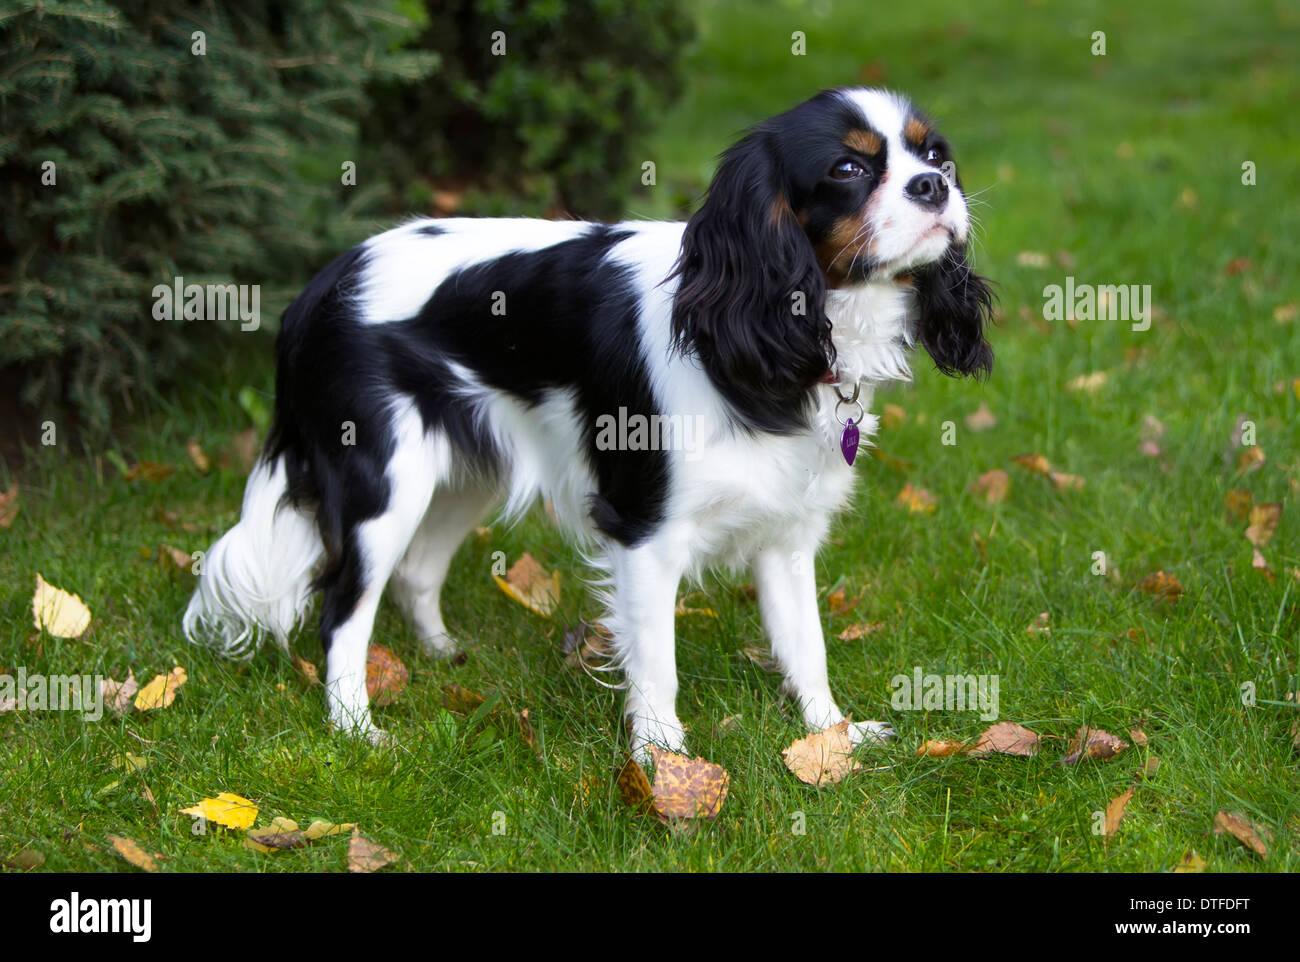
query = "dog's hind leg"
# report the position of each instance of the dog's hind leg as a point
(417, 582)
(369, 552)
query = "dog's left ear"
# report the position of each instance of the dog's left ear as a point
(751, 302)
(954, 305)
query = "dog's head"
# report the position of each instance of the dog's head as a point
(851, 187)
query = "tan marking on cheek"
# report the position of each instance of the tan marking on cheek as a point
(916, 131)
(779, 210)
(836, 251)
(864, 142)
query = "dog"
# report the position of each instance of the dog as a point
(687, 396)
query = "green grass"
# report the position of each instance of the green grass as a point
(1131, 165)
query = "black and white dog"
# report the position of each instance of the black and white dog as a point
(687, 396)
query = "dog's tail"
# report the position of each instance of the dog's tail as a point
(257, 579)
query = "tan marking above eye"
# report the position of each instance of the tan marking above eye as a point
(917, 131)
(864, 142)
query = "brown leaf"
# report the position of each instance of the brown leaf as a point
(1161, 585)
(1066, 482)
(839, 603)
(1034, 464)
(1248, 833)
(281, 833)
(942, 749)
(1093, 743)
(1238, 503)
(197, 455)
(27, 860)
(1041, 625)
(760, 657)
(174, 559)
(823, 757)
(1115, 812)
(687, 787)
(1250, 459)
(981, 419)
(364, 856)
(859, 630)
(1139, 737)
(133, 853)
(634, 787)
(992, 486)
(149, 471)
(241, 452)
(528, 583)
(461, 700)
(892, 416)
(306, 670)
(119, 696)
(1263, 523)
(915, 500)
(386, 676)
(1006, 738)
(8, 506)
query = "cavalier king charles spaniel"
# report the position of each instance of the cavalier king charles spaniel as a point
(686, 396)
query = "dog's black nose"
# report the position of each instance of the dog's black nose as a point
(928, 190)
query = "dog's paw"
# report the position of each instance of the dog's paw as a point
(444, 647)
(667, 734)
(870, 732)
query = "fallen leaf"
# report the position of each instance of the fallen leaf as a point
(8, 506)
(1248, 833)
(386, 676)
(992, 486)
(1139, 737)
(528, 583)
(282, 833)
(307, 671)
(1006, 738)
(174, 559)
(634, 787)
(197, 456)
(839, 602)
(942, 749)
(1095, 744)
(461, 700)
(1066, 482)
(149, 471)
(241, 452)
(1190, 863)
(57, 612)
(119, 695)
(364, 856)
(161, 691)
(27, 860)
(1260, 563)
(1115, 812)
(1149, 768)
(1250, 459)
(1285, 313)
(892, 416)
(1238, 503)
(131, 762)
(916, 500)
(321, 829)
(760, 657)
(1263, 523)
(822, 757)
(1041, 624)
(1034, 464)
(687, 787)
(981, 419)
(1032, 259)
(226, 809)
(133, 853)
(860, 629)
(1090, 383)
(1161, 585)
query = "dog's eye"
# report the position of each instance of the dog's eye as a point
(933, 157)
(848, 170)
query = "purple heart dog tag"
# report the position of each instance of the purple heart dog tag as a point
(849, 441)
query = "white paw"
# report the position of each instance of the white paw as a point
(379, 738)
(867, 732)
(667, 734)
(443, 647)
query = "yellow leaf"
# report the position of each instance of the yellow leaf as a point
(160, 692)
(197, 455)
(1263, 523)
(133, 853)
(528, 583)
(226, 809)
(58, 612)
(823, 757)
(915, 500)
(320, 829)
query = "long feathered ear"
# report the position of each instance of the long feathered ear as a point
(751, 303)
(955, 303)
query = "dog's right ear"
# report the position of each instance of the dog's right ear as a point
(751, 299)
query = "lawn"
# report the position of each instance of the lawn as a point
(1125, 168)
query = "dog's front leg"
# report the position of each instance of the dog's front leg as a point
(787, 600)
(641, 618)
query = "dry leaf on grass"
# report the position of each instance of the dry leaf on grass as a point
(149, 471)
(227, 809)
(282, 833)
(528, 583)
(1250, 459)
(119, 696)
(306, 670)
(1238, 502)
(321, 829)
(364, 856)
(1093, 743)
(860, 630)
(161, 691)
(174, 559)
(687, 787)
(241, 452)
(130, 850)
(761, 657)
(461, 700)
(1161, 585)
(386, 676)
(1006, 738)
(892, 416)
(587, 644)
(915, 500)
(1263, 523)
(822, 757)
(992, 487)
(197, 455)
(1248, 833)
(982, 419)
(1139, 737)
(1149, 768)
(1115, 812)
(57, 612)
(839, 603)
(1037, 464)
(1088, 383)
(942, 749)
(1041, 625)
(27, 860)
(8, 506)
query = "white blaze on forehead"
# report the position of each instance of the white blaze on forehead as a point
(884, 112)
